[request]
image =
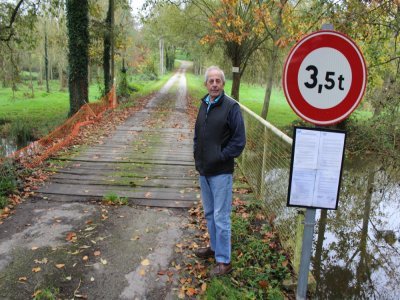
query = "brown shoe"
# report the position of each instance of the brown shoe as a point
(204, 252)
(221, 269)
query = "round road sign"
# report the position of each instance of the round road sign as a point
(324, 77)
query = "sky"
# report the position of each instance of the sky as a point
(136, 5)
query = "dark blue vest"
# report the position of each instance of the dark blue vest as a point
(213, 134)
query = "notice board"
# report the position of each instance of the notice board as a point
(316, 167)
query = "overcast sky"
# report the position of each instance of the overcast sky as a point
(136, 5)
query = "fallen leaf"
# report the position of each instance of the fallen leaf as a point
(204, 287)
(36, 269)
(103, 261)
(148, 195)
(161, 272)
(142, 272)
(36, 293)
(85, 258)
(34, 248)
(145, 262)
(42, 261)
(22, 279)
(71, 237)
(60, 266)
(190, 291)
(136, 237)
(68, 278)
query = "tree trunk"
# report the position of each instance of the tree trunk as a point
(270, 82)
(46, 60)
(78, 55)
(30, 76)
(107, 52)
(236, 86)
(112, 40)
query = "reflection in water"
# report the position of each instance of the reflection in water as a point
(7, 147)
(357, 249)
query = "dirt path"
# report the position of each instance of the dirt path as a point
(63, 241)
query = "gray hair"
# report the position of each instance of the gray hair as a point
(214, 68)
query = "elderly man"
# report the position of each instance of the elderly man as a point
(219, 137)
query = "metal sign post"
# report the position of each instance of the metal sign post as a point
(309, 223)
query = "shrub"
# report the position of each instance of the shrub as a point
(8, 178)
(3, 202)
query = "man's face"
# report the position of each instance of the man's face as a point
(214, 84)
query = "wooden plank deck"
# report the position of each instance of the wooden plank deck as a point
(148, 159)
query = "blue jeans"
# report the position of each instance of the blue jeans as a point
(216, 194)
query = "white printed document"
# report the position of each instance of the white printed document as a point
(316, 167)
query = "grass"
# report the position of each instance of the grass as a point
(43, 112)
(112, 198)
(46, 294)
(39, 115)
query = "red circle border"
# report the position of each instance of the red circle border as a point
(311, 42)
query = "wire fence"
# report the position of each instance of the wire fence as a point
(265, 163)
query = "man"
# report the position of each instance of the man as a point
(219, 137)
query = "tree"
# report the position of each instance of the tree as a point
(108, 45)
(235, 25)
(78, 56)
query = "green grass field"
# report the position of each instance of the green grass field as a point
(43, 112)
(46, 111)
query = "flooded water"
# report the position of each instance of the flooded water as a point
(8, 146)
(357, 248)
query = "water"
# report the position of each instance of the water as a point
(8, 146)
(357, 248)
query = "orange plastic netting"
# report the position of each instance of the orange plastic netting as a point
(38, 151)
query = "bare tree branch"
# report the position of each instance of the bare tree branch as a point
(9, 26)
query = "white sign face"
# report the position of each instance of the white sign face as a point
(316, 168)
(324, 78)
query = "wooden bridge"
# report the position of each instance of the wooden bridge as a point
(148, 159)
